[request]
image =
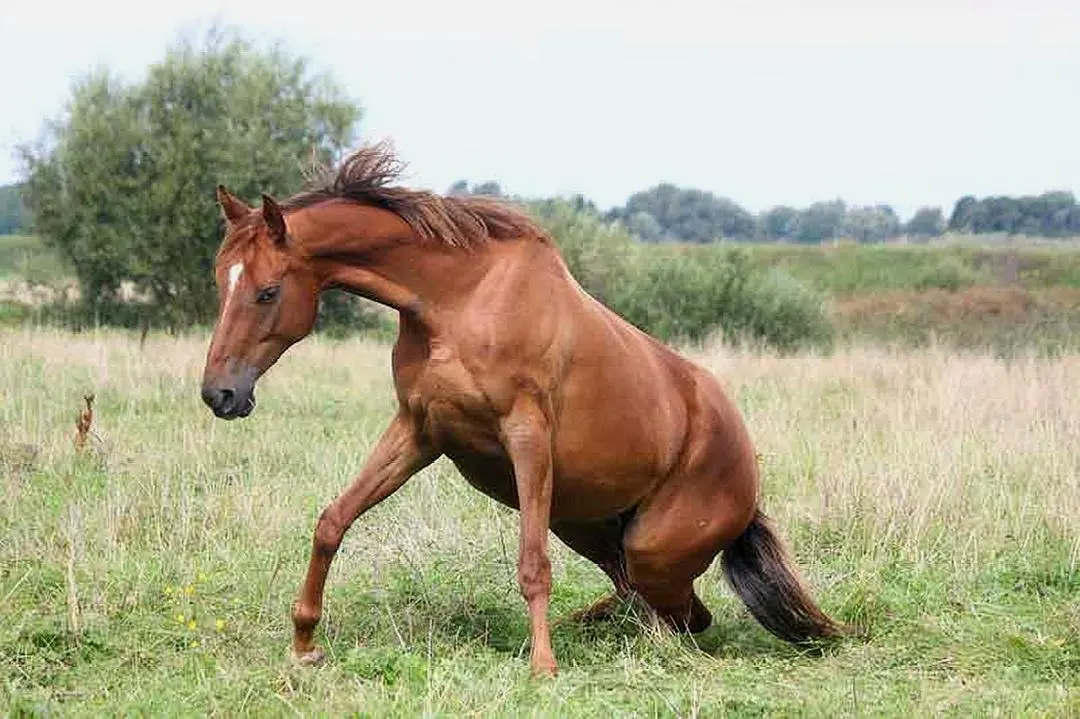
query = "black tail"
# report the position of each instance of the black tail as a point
(758, 569)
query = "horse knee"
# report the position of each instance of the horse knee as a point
(328, 534)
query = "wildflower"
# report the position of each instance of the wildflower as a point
(180, 618)
(202, 576)
(191, 624)
(168, 589)
(219, 625)
(189, 589)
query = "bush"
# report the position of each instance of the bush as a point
(598, 253)
(342, 314)
(676, 294)
(688, 297)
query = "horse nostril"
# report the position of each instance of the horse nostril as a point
(216, 398)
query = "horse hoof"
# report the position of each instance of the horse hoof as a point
(312, 658)
(544, 670)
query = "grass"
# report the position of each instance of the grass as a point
(23, 256)
(848, 269)
(929, 495)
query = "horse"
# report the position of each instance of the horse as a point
(542, 397)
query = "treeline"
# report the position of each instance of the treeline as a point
(668, 213)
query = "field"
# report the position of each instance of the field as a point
(929, 495)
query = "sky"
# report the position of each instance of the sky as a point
(765, 102)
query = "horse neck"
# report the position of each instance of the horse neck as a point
(373, 253)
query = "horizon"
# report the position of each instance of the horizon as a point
(907, 105)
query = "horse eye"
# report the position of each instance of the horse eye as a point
(267, 295)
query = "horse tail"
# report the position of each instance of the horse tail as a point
(758, 569)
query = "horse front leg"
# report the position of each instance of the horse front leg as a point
(527, 435)
(398, 455)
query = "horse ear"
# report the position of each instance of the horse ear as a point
(274, 219)
(233, 209)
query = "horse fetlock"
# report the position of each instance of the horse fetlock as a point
(305, 618)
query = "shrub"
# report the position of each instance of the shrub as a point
(683, 296)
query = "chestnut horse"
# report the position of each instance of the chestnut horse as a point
(543, 398)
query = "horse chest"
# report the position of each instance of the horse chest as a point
(453, 409)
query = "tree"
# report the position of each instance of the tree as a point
(489, 188)
(871, 224)
(926, 222)
(11, 209)
(689, 214)
(779, 223)
(644, 226)
(821, 221)
(123, 183)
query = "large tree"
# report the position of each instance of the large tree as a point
(123, 182)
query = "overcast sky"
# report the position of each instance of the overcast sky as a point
(770, 101)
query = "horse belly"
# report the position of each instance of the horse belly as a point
(593, 481)
(574, 497)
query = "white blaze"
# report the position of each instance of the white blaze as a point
(234, 277)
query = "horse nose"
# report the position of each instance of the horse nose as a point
(217, 398)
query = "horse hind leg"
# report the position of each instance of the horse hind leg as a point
(678, 533)
(601, 543)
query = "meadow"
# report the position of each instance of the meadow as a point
(930, 495)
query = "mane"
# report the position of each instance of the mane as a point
(367, 176)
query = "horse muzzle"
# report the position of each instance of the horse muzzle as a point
(229, 402)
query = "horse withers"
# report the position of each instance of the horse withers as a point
(543, 398)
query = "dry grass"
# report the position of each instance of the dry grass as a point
(930, 495)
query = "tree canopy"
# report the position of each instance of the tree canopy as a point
(122, 184)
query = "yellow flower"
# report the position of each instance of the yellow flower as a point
(219, 625)
(189, 589)
(194, 644)
(202, 576)
(179, 618)
(191, 624)
(168, 589)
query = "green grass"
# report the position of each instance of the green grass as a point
(930, 496)
(848, 269)
(24, 256)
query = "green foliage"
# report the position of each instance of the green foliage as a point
(689, 215)
(870, 224)
(123, 185)
(342, 314)
(12, 212)
(1051, 214)
(779, 223)
(680, 295)
(599, 254)
(821, 221)
(847, 269)
(1005, 320)
(675, 294)
(926, 222)
(26, 258)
